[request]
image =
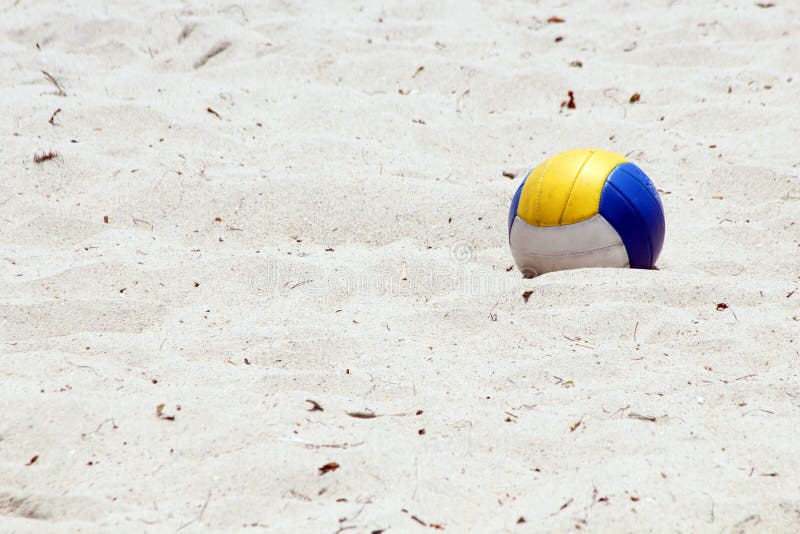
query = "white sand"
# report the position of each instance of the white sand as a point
(92, 313)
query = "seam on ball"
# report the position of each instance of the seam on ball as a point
(572, 186)
(533, 254)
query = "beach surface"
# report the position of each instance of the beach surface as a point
(264, 284)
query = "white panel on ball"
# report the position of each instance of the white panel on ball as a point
(542, 249)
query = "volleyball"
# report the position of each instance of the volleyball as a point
(585, 208)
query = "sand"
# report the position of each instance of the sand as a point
(335, 230)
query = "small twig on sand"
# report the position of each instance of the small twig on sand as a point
(92, 369)
(362, 415)
(199, 516)
(142, 221)
(711, 515)
(53, 117)
(333, 445)
(762, 410)
(59, 90)
(310, 445)
(215, 50)
(563, 506)
(96, 430)
(186, 31)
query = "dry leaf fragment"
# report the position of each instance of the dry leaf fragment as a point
(330, 466)
(362, 415)
(570, 102)
(555, 20)
(40, 157)
(634, 98)
(160, 413)
(315, 406)
(526, 295)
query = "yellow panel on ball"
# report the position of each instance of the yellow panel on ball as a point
(566, 188)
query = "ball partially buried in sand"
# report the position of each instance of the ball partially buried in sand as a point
(585, 208)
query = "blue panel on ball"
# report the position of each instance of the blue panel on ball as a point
(512, 213)
(631, 204)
